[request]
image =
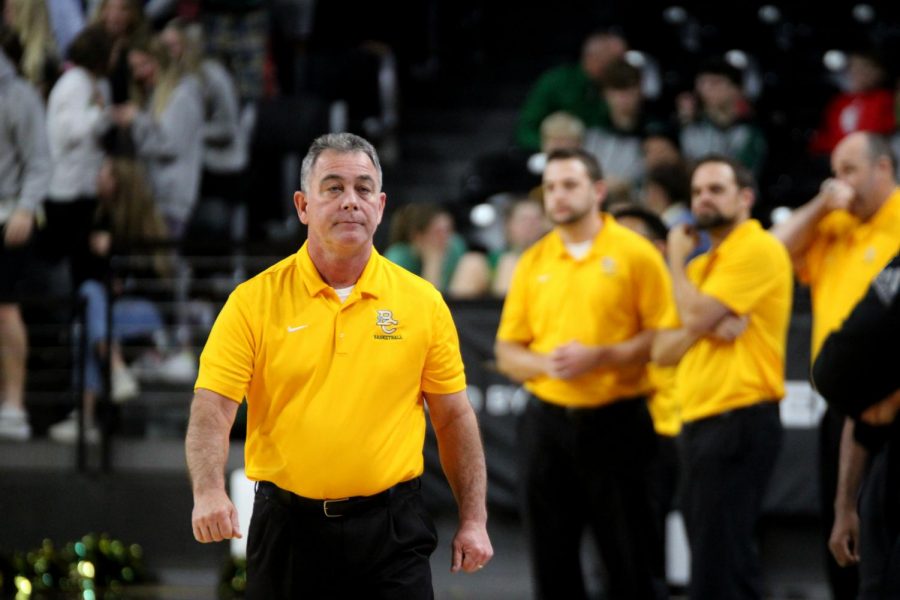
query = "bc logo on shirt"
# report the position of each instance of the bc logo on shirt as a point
(386, 321)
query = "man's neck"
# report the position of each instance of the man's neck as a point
(336, 269)
(723, 116)
(585, 229)
(717, 235)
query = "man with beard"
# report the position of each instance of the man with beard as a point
(839, 241)
(734, 304)
(576, 328)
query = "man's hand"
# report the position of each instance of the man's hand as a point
(471, 548)
(214, 517)
(837, 194)
(844, 539)
(884, 412)
(681, 242)
(730, 328)
(18, 228)
(574, 359)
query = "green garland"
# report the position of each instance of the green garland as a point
(95, 567)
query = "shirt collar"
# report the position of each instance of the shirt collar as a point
(738, 234)
(368, 284)
(559, 247)
(888, 213)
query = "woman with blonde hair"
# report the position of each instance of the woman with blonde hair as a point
(165, 118)
(124, 21)
(40, 58)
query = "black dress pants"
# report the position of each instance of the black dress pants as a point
(590, 467)
(728, 463)
(296, 551)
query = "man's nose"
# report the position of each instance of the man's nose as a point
(349, 201)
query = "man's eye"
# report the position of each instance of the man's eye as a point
(363, 191)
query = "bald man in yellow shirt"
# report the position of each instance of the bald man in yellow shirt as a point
(337, 351)
(734, 305)
(839, 241)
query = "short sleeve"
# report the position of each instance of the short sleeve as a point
(655, 300)
(443, 372)
(740, 277)
(514, 324)
(227, 360)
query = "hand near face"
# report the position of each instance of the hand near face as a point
(681, 242)
(837, 194)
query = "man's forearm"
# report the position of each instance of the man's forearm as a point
(852, 462)
(206, 443)
(462, 459)
(518, 362)
(633, 351)
(670, 345)
(797, 232)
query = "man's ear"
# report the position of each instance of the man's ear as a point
(600, 192)
(300, 204)
(748, 198)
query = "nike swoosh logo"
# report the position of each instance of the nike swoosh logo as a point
(297, 328)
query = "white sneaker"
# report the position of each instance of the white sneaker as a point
(179, 368)
(66, 432)
(124, 386)
(14, 424)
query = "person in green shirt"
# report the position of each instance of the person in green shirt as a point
(574, 89)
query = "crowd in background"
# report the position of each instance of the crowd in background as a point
(135, 125)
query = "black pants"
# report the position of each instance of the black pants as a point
(728, 462)
(590, 467)
(295, 551)
(879, 552)
(843, 581)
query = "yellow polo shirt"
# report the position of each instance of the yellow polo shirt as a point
(843, 259)
(620, 288)
(334, 390)
(664, 408)
(750, 273)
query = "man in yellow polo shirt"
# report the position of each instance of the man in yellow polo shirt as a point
(839, 241)
(728, 390)
(337, 351)
(576, 328)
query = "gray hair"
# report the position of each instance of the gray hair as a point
(342, 143)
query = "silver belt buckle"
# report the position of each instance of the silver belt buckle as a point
(325, 507)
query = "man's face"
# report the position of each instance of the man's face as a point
(851, 163)
(343, 205)
(716, 91)
(716, 199)
(569, 193)
(624, 102)
(599, 52)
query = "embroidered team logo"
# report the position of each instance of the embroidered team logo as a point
(386, 321)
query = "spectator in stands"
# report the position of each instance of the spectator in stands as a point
(40, 58)
(839, 241)
(423, 241)
(723, 124)
(124, 21)
(663, 404)
(126, 218)
(166, 123)
(67, 20)
(734, 307)
(480, 274)
(617, 145)
(660, 145)
(856, 370)
(237, 34)
(24, 178)
(667, 193)
(77, 118)
(559, 130)
(576, 328)
(867, 104)
(575, 89)
(224, 141)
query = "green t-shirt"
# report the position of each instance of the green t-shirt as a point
(405, 255)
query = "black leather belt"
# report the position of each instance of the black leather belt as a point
(338, 507)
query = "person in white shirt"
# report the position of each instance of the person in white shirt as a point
(77, 118)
